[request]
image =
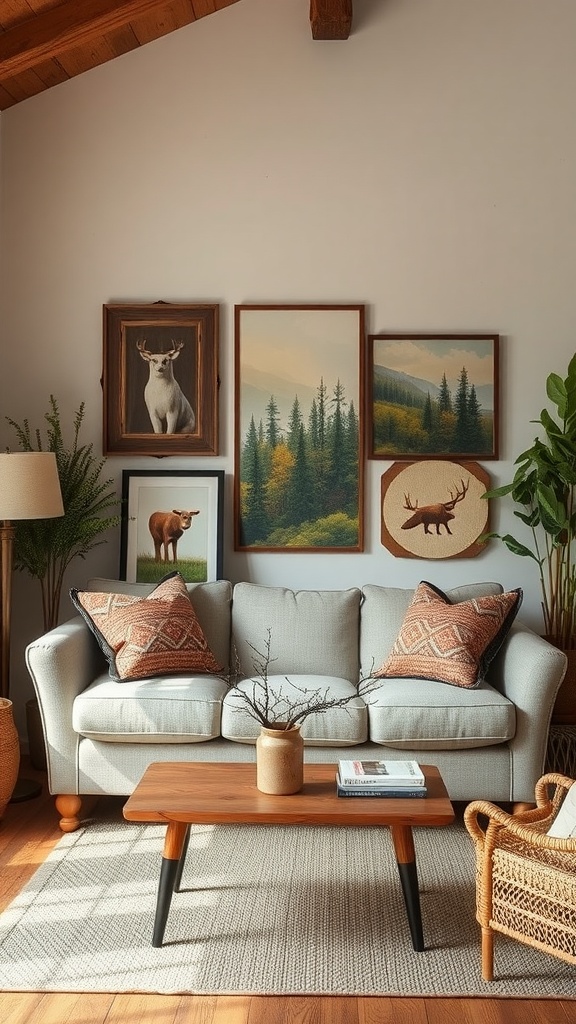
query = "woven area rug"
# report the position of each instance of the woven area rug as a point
(264, 910)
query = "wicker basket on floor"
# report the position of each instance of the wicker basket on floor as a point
(525, 880)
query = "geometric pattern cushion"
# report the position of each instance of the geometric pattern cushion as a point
(146, 637)
(452, 643)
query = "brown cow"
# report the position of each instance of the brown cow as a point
(166, 529)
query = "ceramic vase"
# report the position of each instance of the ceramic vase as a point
(280, 761)
(9, 753)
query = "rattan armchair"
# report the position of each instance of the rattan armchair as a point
(525, 880)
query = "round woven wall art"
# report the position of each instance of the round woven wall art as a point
(434, 509)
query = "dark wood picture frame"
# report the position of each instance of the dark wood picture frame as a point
(199, 548)
(299, 432)
(160, 378)
(433, 396)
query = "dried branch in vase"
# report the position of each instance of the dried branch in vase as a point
(273, 707)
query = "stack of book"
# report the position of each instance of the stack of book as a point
(380, 778)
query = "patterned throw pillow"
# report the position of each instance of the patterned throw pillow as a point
(452, 643)
(153, 636)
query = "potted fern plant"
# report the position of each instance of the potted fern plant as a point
(544, 487)
(44, 548)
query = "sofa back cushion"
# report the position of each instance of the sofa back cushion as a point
(211, 602)
(311, 632)
(382, 614)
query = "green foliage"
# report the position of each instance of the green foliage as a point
(194, 570)
(543, 485)
(292, 485)
(45, 547)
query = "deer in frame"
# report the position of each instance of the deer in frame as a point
(434, 515)
(169, 410)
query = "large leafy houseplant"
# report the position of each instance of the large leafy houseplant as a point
(45, 547)
(544, 486)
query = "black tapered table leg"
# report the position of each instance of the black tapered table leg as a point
(409, 881)
(406, 859)
(168, 873)
(172, 856)
(182, 861)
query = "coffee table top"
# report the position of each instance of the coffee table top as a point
(204, 792)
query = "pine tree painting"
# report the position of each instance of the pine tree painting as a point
(434, 395)
(299, 466)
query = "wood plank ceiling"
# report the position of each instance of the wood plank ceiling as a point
(46, 42)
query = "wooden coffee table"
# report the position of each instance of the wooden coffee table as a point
(180, 794)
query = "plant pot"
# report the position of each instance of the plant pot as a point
(280, 761)
(9, 753)
(564, 712)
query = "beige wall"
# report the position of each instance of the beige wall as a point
(426, 167)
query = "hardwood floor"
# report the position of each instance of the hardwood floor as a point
(29, 830)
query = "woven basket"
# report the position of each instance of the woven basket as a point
(9, 753)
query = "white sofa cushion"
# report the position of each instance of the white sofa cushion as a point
(166, 709)
(337, 727)
(312, 632)
(426, 714)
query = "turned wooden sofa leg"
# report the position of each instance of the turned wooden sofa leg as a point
(68, 806)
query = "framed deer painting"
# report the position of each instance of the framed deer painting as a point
(160, 379)
(433, 396)
(171, 520)
(434, 509)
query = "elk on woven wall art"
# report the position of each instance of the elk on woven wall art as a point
(434, 509)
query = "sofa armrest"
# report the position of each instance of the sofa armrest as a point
(528, 670)
(61, 664)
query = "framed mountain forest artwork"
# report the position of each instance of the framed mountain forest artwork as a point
(299, 454)
(433, 396)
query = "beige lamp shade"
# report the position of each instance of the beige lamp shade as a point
(29, 486)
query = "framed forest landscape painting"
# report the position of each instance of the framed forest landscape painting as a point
(433, 396)
(298, 482)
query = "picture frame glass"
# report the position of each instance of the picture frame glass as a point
(433, 396)
(299, 428)
(171, 521)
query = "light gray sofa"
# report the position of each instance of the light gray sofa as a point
(489, 742)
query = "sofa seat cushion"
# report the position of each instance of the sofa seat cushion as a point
(170, 709)
(336, 727)
(426, 714)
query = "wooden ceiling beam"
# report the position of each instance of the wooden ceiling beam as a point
(331, 19)
(72, 24)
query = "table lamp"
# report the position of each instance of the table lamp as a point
(29, 489)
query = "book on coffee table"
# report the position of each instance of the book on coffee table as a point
(384, 792)
(380, 775)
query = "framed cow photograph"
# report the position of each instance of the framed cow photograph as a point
(160, 379)
(171, 520)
